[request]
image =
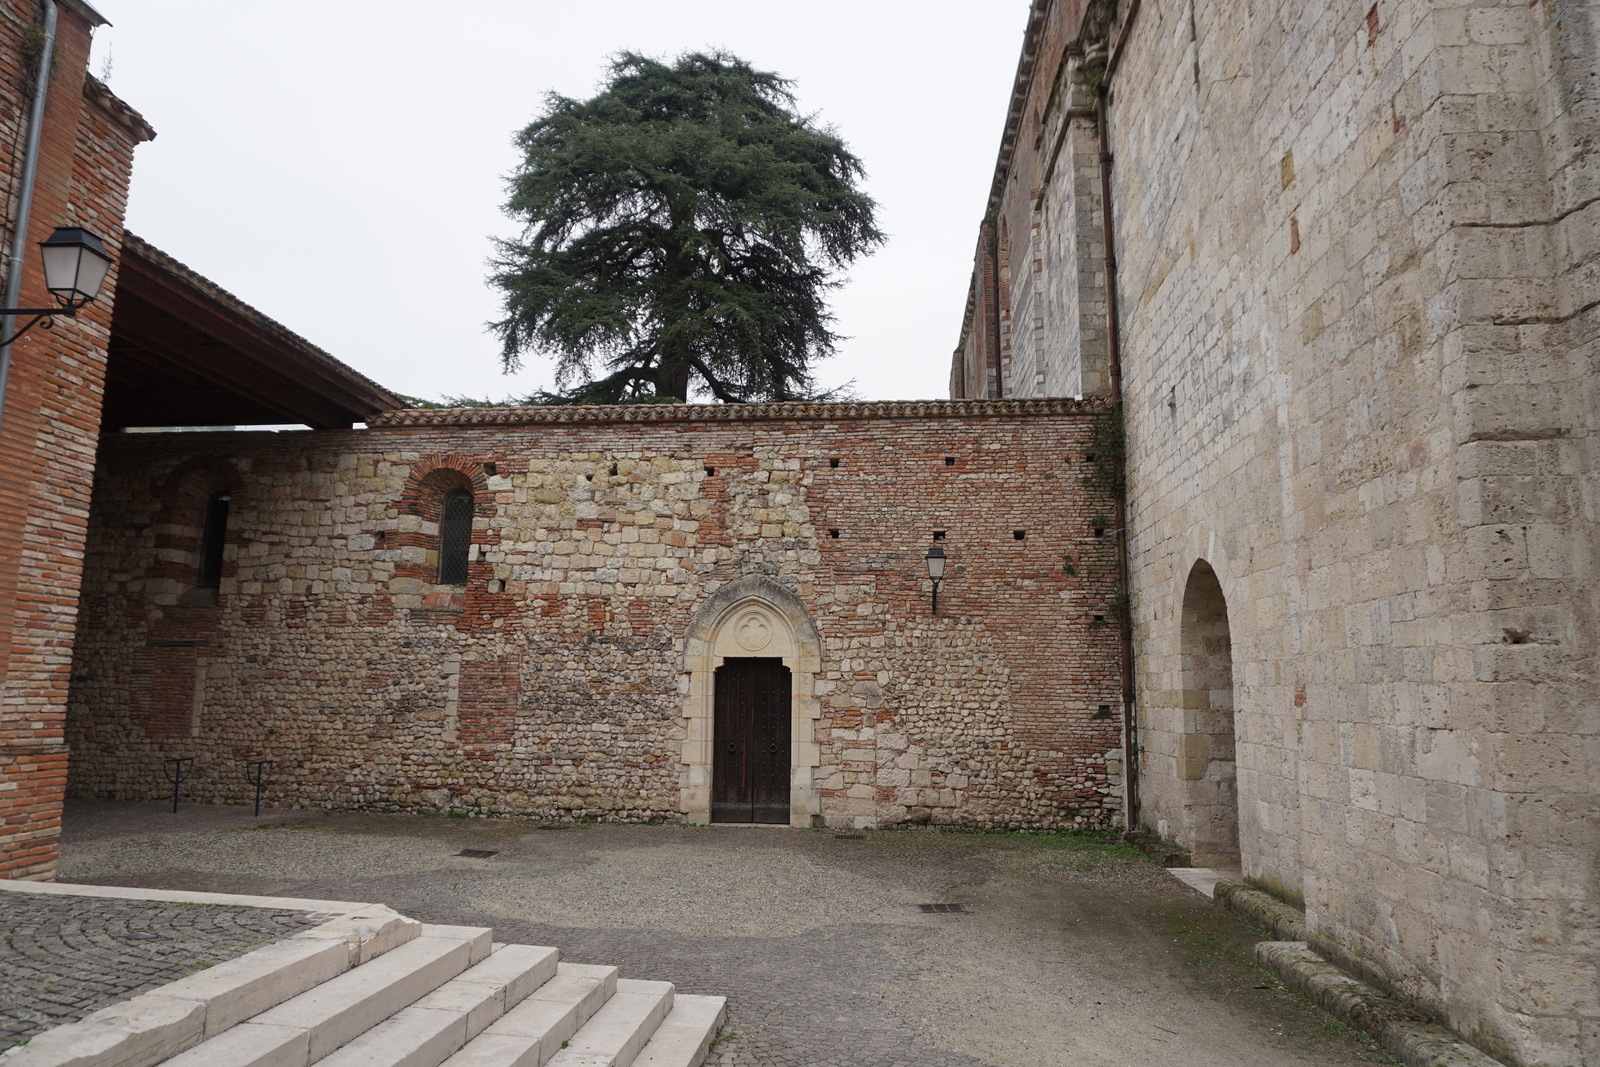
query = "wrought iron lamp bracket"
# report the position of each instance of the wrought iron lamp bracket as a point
(41, 316)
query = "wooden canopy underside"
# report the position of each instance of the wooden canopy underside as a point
(184, 353)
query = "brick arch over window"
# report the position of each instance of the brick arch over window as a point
(720, 630)
(432, 481)
(186, 498)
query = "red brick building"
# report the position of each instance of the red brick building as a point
(52, 408)
(159, 346)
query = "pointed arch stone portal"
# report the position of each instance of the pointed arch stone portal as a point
(751, 618)
(1206, 766)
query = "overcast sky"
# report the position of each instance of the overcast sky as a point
(339, 164)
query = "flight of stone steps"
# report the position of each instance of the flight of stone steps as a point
(375, 989)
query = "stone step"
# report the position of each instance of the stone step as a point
(155, 1026)
(534, 1031)
(434, 1027)
(306, 1028)
(374, 989)
(684, 1037)
(619, 1030)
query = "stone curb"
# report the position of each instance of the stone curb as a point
(156, 1025)
(1262, 909)
(178, 896)
(1404, 1032)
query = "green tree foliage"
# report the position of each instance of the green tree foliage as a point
(679, 233)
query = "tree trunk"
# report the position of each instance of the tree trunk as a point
(672, 379)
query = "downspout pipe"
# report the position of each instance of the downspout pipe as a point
(30, 171)
(1130, 717)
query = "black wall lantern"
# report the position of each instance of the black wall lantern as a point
(936, 572)
(75, 266)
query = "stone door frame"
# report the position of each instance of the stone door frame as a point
(752, 616)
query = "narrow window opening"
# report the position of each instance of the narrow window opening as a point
(613, 470)
(949, 461)
(212, 538)
(833, 462)
(455, 535)
(1017, 535)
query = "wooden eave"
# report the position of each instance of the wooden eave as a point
(184, 352)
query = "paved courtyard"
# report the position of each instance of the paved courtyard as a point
(64, 957)
(1071, 950)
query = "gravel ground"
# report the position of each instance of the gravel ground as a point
(64, 957)
(1070, 953)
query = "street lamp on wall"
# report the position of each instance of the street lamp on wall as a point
(936, 560)
(75, 266)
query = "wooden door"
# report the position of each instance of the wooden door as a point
(750, 766)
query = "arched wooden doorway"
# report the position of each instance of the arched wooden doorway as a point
(752, 655)
(1210, 779)
(750, 742)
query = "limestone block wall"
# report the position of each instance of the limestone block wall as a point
(1361, 388)
(1357, 271)
(560, 681)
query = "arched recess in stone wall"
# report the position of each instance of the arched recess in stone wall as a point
(752, 616)
(1207, 770)
(181, 528)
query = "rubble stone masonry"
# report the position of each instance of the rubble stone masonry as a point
(554, 683)
(1358, 267)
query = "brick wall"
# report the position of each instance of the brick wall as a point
(554, 683)
(51, 419)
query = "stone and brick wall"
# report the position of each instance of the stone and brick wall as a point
(553, 683)
(1358, 253)
(50, 419)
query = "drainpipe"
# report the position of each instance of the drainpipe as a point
(1130, 718)
(30, 170)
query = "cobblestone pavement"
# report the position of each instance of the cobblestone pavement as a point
(64, 957)
(1069, 953)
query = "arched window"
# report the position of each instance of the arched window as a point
(455, 534)
(213, 536)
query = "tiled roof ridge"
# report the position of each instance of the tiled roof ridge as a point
(882, 409)
(131, 242)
